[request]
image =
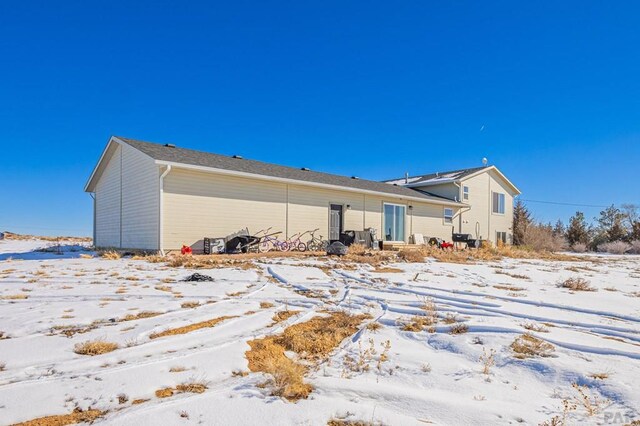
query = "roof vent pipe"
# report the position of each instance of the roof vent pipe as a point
(304, 169)
(355, 177)
(406, 177)
(169, 145)
(239, 157)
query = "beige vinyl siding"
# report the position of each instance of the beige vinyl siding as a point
(446, 190)
(126, 206)
(309, 209)
(481, 215)
(199, 204)
(428, 220)
(140, 200)
(107, 203)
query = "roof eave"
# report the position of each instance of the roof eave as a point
(305, 183)
(515, 189)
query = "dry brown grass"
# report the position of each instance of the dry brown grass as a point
(459, 328)
(283, 316)
(576, 284)
(191, 327)
(13, 236)
(21, 296)
(189, 305)
(140, 315)
(357, 249)
(77, 416)
(110, 254)
(386, 270)
(266, 305)
(177, 369)
(423, 322)
(340, 422)
(527, 346)
(287, 376)
(313, 341)
(187, 387)
(512, 275)
(599, 376)
(411, 255)
(139, 401)
(532, 326)
(95, 347)
(508, 287)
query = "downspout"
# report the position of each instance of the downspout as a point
(94, 217)
(160, 215)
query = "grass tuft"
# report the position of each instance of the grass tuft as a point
(189, 328)
(95, 347)
(528, 346)
(576, 284)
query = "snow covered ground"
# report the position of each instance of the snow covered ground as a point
(50, 302)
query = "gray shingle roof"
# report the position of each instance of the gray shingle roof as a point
(432, 178)
(205, 159)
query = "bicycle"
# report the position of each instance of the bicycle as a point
(295, 242)
(315, 243)
(269, 241)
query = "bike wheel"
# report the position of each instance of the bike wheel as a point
(283, 246)
(301, 247)
(264, 247)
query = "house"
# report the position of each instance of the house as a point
(158, 197)
(487, 194)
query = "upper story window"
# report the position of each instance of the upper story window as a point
(465, 192)
(448, 215)
(498, 202)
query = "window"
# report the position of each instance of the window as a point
(501, 237)
(498, 203)
(465, 192)
(448, 215)
(394, 216)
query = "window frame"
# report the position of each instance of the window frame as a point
(495, 209)
(504, 240)
(404, 224)
(465, 193)
(444, 216)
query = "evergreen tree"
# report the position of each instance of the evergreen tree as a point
(577, 231)
(559, 229)
(521, 221)
(611, 224)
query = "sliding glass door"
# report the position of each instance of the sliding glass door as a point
(394, 217)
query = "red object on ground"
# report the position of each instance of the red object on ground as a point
(186, 250)
(446, 245)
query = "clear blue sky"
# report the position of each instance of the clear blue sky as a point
(371, 88)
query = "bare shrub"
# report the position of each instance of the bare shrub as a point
(487, 359)
(95, 347)
(592, 404)
(3, 366)
(579, 247)
(540, 237)
(527, 346)
(614, 247)
(635, 247)
(576, 284)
